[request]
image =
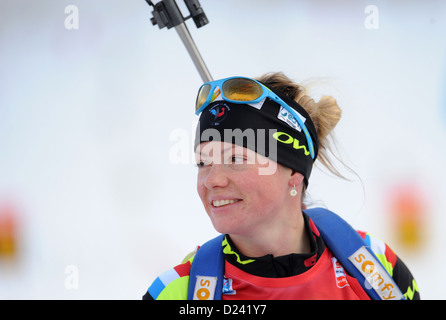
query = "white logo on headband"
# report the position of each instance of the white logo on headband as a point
(216, 95)
(289, 119)
(258, 105)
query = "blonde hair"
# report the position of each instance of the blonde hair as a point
(325, 114)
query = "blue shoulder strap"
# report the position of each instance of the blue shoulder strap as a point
(345, 243)
(209, 261)
(354, 254)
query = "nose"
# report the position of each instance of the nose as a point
(216, 177)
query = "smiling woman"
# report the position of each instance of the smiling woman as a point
(270, 247)
(245, 204)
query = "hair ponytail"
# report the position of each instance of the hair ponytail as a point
(325, 114)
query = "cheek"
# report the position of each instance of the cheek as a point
(201, 189)
(266, 193)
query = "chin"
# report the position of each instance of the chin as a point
(222, 228)
(225, 228)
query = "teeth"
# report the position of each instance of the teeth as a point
(219, 203)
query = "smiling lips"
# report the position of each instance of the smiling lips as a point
(220, 203)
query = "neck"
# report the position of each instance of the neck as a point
(291, 237)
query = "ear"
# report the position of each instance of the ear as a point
(296, 179)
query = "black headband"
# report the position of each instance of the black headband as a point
(267, 129)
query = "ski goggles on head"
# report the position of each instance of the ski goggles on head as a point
(243, 90)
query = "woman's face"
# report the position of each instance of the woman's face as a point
(242, 191)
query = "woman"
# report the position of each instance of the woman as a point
(256, 144)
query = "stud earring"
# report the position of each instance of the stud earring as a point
(293, 192)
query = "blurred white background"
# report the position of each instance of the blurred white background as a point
(89, 117)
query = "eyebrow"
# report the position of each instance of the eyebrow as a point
(224, 150)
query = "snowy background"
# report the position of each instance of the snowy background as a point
(89, 118)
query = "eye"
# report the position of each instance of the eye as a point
(202, 164)
(199, 164)
(238, 159)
